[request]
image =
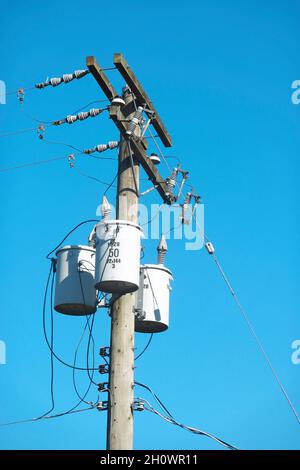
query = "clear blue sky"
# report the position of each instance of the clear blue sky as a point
(220, 74)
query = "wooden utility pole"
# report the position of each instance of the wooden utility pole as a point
(121, 379)
(121, 375)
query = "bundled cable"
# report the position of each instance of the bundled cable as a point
(187, 428)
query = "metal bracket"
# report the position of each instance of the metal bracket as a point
(102, 405)
(103, 369)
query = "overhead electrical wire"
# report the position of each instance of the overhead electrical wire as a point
(241, 309)
(163, 407)
(145, 348)
(51, 340)
(46, 336)
(57, 415)
(31, 164)
(93, 178)
(81, 398)
(34, 87)
(168, 418)
(187, 428)
(70, 119)
(257, 339)
(90, 338)
(69, 233)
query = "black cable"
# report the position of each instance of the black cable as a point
(94, 178)
(90, 334)
(88, 352)
(54, 142)
(69, 233)
(45, 417)
(112, 182)
(51, 341)
(145, 348)
(74, 365)
(30, 164)
(189, 428)
(46, 336)
(156, 398)
(89, 104)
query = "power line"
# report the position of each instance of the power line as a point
(187, 428)
(20, 131)
(145, 348)
(58, 415)
(51, 340)
(34, 87)
(256, 338)
(82, 399)
(241, 309)
(93, 178)
(45, 331)
(31, 164)
(69, 233)
(163, 407)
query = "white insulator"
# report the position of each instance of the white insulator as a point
(135, 121)
(210, 248)
(162, 250)
(71, 118)
(68, 77)
(117, 100)
(94, 112)
(105, 208)
(55, 81)
(113, 144)
(80, 73)
(83, 115)
(154, 158)
(101, 148)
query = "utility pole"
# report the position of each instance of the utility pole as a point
(121, 370)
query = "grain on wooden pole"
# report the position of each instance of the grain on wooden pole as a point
(121, 374)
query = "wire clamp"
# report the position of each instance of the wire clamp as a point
(102, 405)
(103, 369)
(105, 351)
(103, 387)
(138, 406)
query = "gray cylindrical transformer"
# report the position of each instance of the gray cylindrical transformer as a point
(75, 292)
(118, 248)
(153, 298)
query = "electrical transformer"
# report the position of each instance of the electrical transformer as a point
(118, 248)
(153, 298)
(75, 292)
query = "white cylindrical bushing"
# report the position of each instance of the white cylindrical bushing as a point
(153, 299)
(118, 248)
(75, 292)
